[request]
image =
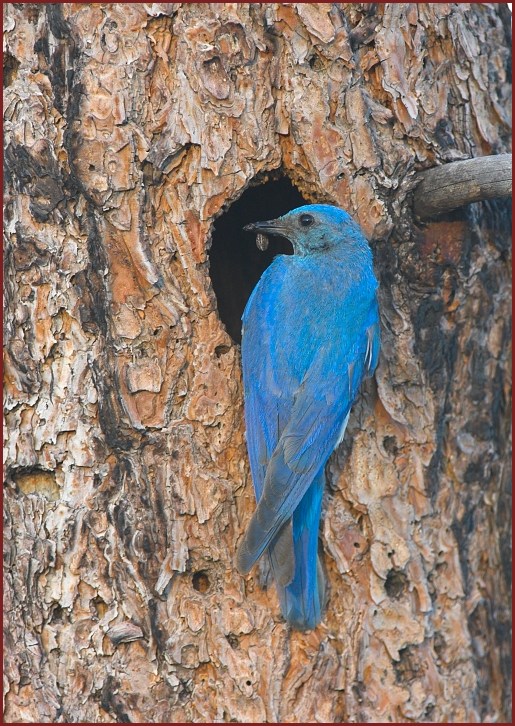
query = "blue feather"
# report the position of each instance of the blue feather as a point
(310, 335)
(302, 600)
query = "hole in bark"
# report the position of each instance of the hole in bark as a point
(221, 350)
(390, 445)
(409, 666)
(233, 640)
(99, 607)
(11, 65)
(200, 581)
(315, 62)
(429, 711)
(395, 583)
(439, 643)
(236, 264)
(35, 480)
(57, 615)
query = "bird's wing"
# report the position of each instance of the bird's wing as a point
(291, 432)
(319, 412)
(268, 390)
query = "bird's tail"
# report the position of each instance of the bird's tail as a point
(302, 600)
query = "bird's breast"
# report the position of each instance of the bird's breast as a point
(299, 306)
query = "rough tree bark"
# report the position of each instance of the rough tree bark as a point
(129, 128)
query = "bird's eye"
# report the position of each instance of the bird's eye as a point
(306, 220)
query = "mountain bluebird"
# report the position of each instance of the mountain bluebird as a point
(310, 336)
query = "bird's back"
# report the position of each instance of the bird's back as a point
(304, 350)
(299, 306)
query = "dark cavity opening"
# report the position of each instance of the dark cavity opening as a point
(235, 262)
(200, 581)
(11, 65)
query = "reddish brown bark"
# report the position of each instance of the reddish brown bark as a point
(129, 128)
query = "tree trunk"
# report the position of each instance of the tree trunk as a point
(129, 129)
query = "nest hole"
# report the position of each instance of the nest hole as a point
(236, 264)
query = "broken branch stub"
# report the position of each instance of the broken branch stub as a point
(453, 185)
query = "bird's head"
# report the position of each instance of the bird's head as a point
(312, 228)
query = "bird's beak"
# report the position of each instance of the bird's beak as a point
(272, 226)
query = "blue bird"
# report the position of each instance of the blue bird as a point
(310, 336)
